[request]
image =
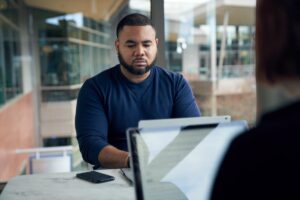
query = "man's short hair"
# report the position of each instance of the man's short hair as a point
(134, 19)
(277, 40)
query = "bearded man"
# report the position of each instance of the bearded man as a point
(134, 90)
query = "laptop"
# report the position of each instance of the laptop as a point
(183, 121)
(128, 173)
(178, 162)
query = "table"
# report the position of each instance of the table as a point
(64, 186)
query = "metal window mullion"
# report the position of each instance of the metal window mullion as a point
(158, 19)
(2, 63)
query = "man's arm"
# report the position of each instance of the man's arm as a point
(111, 157)
(92, 129)
(184, 104)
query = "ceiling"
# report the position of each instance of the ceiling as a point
(237, 15)
(239, 12)
(96, 9)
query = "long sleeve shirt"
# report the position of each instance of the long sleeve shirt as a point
(108, 104)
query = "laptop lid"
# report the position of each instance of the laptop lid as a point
(178, 162)
(183, 121)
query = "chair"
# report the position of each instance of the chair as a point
(49, 159)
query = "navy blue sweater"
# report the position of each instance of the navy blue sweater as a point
(108, 104)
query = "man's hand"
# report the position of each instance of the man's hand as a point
(111, 157)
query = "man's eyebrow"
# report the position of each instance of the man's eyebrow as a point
(130, 41)
(134, 42)
(147, 41)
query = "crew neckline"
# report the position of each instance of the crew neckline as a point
(144, 82)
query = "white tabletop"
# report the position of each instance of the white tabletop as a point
(64, 186)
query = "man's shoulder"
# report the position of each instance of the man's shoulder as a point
(107, 73)
(102, 79)
(164, 72)
(105, 76)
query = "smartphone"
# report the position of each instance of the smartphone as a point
(95, 177)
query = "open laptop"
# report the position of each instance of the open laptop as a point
(128, 173)
(178, 162)
(183, 121)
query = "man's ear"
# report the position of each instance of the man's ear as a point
(156, 40)
(117, 44)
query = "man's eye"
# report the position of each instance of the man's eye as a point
(131, 46)
(147, 45)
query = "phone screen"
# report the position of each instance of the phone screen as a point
(95, 177)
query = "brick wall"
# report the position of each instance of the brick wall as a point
(16, 131)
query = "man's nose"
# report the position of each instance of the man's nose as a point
(140, 50)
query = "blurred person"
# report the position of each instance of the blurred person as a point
(119, 97)
(264, 163)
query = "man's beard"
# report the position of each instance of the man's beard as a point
(135, 70)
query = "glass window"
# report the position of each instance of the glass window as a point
(74, 46)
(10, 53)
(210, 43)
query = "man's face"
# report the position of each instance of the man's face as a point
(137, 48)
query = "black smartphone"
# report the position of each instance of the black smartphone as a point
(95, 177)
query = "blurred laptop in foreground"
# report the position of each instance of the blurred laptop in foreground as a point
(128, 173)
(178, 162)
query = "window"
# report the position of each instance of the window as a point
(74, 46)
(210, 43)
(10, 53)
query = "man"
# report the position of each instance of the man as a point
(119, 97)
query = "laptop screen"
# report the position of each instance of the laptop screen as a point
(179, 162)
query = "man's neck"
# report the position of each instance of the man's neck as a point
(132, 77)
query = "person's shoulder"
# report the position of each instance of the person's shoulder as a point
(285, 114)
(104, 76)
(257, 135)
(279, 127)
(165, 73)
(284, 119)
(101, 79)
